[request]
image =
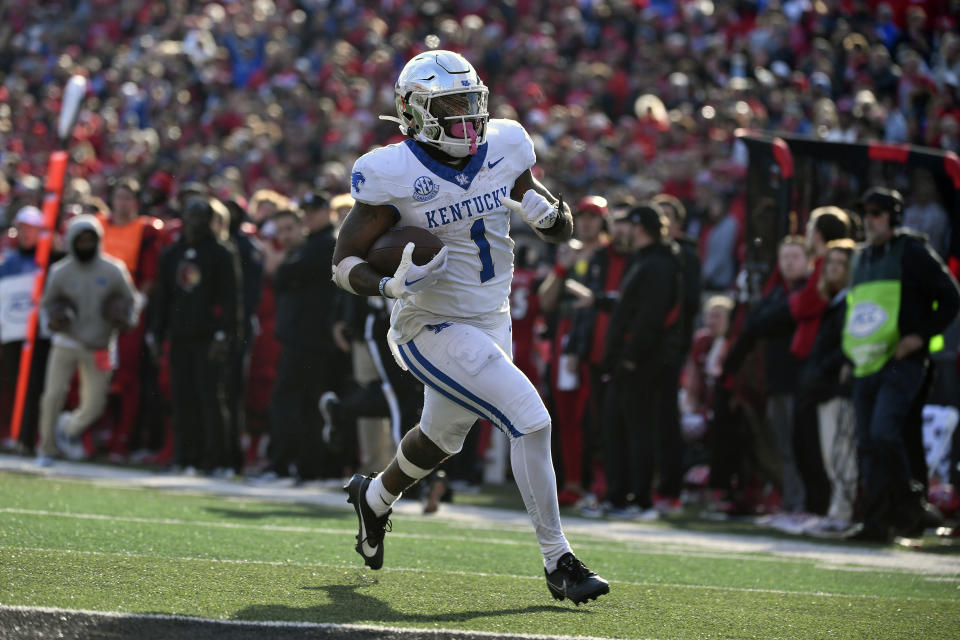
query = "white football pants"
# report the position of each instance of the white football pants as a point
(469, 373)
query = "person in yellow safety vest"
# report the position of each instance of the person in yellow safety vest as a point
(901, 298)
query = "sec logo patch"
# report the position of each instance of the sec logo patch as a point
(424, 188)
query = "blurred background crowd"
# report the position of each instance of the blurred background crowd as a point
(244, 119)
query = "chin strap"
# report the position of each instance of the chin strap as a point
(403, 125)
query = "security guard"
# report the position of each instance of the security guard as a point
(901, 298)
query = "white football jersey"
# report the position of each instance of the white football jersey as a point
(464, 209)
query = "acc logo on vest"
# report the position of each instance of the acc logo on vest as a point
(866, 318)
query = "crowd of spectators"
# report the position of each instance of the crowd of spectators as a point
(264, 106)
(642, 96)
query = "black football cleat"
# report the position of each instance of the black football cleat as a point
(573, 580)
(372, 528)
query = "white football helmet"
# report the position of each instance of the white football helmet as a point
(441, 101)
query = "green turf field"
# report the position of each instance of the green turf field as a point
(76, 545)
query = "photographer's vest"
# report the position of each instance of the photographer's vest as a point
(871, 331)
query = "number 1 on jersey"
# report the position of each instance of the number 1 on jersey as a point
(478, 233)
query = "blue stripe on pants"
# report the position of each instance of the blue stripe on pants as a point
(450, 382)
(436, 387)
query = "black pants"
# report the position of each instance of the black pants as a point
(154, 408)
(593, 426)
(808, 456)
(303, 375)
(200, 416)
(727, 441)
(913, 432)
(669, 437)
(235, 386)
(9, 375)
(882, 402)
(636, 436)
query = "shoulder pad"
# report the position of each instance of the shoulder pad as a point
(510, 136)
(378, 175)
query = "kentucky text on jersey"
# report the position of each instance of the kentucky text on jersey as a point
(470, 207)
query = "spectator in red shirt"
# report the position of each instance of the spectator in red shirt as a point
(825, 225)
(134, 239)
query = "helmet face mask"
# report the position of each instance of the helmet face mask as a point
(442, 102)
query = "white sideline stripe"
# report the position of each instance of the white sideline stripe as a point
(240, 525)
(284, 624)
(893, 560)
(652, 549)
(599, 546)
(473, 574)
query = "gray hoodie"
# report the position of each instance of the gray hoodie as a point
(87, 285)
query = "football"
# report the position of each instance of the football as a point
(61, 312)
(116, 310)
(384, 255)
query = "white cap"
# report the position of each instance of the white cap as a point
(29, 215)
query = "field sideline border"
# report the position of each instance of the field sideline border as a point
(27, 623)
(825, 554)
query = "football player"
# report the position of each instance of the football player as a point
(459, 175)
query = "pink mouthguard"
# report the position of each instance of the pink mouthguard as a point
(461, 131)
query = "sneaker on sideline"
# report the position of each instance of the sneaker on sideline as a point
(647, 515)
(592, 508)
(43, 461)
(794, 523)
(828, 528)
(629, 512)
(71, 446)
(668, 506)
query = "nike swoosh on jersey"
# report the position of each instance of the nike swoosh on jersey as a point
(407, 283)
(491, 165)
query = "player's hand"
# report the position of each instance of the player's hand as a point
(153, 347)
(410, 278)
(535, 209)
(907, 345)
(218, 351)
(340, 338)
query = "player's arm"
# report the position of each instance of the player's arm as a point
(532, 207)
(360, 229)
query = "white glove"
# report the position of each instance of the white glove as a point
(410, 278)
(535, 209)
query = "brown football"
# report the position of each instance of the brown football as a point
(384, 255)
(116, 310)
(61, 312)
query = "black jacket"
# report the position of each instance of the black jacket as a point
(304, 293)
(924, 280)
(251, 270)
(197, 292)
(584, 320)
(645, 328)
(820, 377)
(770, 320)
(691, 287)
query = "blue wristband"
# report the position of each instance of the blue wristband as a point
(383, 284)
